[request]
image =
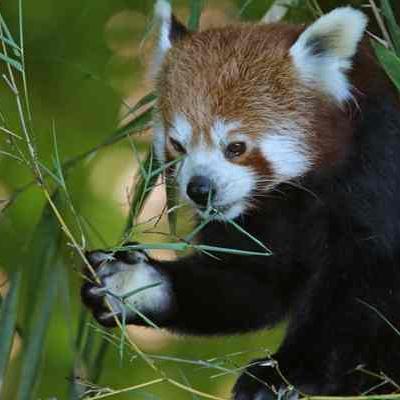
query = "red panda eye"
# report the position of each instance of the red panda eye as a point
(235, 149)
(177, 146)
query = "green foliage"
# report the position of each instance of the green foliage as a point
(42, 276)
(392, 25)
(389, 53)
(196, 7)
(51, 139)
(37, 333)
(8, 319)
(390, 62)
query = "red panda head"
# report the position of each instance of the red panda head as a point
(252, 106)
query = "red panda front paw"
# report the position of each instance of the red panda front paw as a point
(129, 288)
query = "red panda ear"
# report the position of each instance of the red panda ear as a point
(323, 52)
(170, 30)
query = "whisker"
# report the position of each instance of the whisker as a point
(299, 186)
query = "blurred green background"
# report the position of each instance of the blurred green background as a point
(86, 64)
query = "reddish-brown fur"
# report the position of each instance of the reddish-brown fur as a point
(244, 73)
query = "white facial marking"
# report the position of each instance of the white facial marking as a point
(159, 141)
(338, 33)
(122, 279)
(220, 130)
(181, 130)
(287, 154)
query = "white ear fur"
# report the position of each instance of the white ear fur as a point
(163, 19)
(170, 31)
(163, 15)
(323, 52)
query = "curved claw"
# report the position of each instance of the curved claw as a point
(98, 257)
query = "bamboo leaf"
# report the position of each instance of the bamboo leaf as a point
(89, 345)
(163, 167)
(138, 124)
(75, 388)
(254, 239)
(171, 191)
(42, 279)
(42, 250)
(10, 43)
(98, 363)
(389, 61)
(394, 28)
(7, 33)
(147, 99)
(196, 8)
(172, 201)
(14, 63)
(254, 10)
(8, 318)
(156, 246)
(186, 246)
(231, 251)
(141, 190)
(34, 347)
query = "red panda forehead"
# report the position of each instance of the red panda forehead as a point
(235, 73)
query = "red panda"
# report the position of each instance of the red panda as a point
(293, 132)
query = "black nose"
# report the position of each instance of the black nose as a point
(200, 189)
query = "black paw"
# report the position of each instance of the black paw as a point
(119, 274)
